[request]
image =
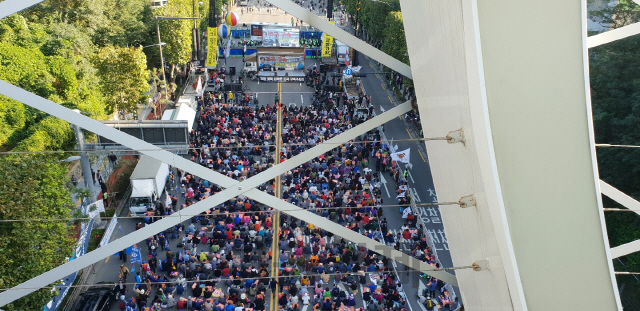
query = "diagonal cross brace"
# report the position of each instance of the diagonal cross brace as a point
(9, 7)
(246, 186)
(354, 42)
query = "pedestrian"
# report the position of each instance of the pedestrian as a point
(74, 180)
(112, 159)
(124, 272)
(99, 176)
(123, 255)
(105, 199)
(93, 176)
(277, 99)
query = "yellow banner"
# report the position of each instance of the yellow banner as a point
(212, 52)
(327, 44)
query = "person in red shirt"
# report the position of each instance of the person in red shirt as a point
(406, 234)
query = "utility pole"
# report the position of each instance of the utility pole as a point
(358, 18)
(84, 161)
(196, 33)
(164, 78)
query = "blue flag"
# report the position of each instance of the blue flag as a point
(136, 257)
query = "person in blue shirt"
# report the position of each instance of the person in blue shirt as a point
(229, 306)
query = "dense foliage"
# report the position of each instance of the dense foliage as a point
(123, 76)
(84, 55)
(33, 186)
(615, 92)
(394, 41)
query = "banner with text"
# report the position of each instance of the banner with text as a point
(212, 50)
(327, 44)
(280, 37)
(291, 62)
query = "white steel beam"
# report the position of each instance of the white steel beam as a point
(630, 203)
(625, 249)
(514, 85)
(9, 7)
(620, 197)
(345, 37)
(449, 86)
(613, 35)
(247, 187)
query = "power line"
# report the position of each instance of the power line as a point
(227, 213)
(256, 278)
(222, 147)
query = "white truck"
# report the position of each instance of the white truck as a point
(147, 184)
(250, 66)
(342, 52)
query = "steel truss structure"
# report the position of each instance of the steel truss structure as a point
(471, 60)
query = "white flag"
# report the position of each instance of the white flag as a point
(227, 51)
(405, 212)
(401, 195)
(402, 156)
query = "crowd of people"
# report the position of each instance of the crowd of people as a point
(222, 257)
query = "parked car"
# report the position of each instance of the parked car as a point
(96, 298)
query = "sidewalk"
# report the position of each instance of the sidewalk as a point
(101, 164)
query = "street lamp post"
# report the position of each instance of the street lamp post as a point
(166, 18)
(160, 43)
(391, 5)
(164, 78)
(157, 44)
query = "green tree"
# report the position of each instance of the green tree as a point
(123, 74)
(176, 34)
(622, 14)
(394, 41)
(32, 185)
(373, 18)
(615, 97)
(50, 133)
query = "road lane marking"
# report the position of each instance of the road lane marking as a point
(391, 102)
(420, 152)
(383, 86)
(408, 133)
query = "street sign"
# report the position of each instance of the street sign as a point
(348, 71)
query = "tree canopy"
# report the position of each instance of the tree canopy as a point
(123, 76)
(80, 54)
(32, 185)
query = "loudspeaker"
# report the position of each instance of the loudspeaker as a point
(280, 68)
(232, 71)
(330, 9)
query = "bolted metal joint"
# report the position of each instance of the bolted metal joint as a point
(480, 265)
(456, 136)
(467, 201)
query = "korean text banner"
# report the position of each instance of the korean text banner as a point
(327, 44)
(212, 50)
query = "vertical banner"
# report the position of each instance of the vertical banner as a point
(327, 44)
(212, 51)
(135, 255)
